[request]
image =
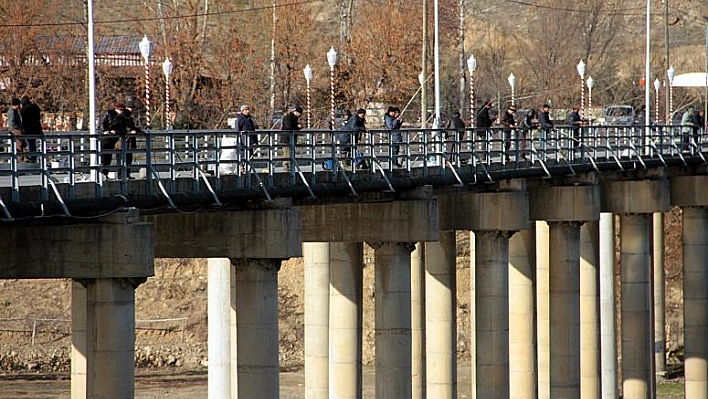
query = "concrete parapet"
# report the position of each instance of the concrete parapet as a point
(502, 211)
(689, 190)
(398, 221)
(635, 196)
(565, 203)
(119, 247)
(255, 234)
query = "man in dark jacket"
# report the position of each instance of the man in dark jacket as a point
(356, 125)
(291, 124)
(116, 124)
(32, 122)
(484, 121)
(392, 123)
(247, 126)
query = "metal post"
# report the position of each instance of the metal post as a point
(332, 60)
(471, 66)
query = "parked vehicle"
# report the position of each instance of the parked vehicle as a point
(617, 115)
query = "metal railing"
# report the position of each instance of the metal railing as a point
(216, 159)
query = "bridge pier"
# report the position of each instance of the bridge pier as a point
(317, 281)
(488, 215)
(440, 317)
(255, 242)
(219, 328)
(565, 209)
(522, 320)
(345, 320)
(635, 201)
(590, 377)
(689, 193)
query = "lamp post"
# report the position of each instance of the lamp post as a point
(581, 71)
(471, 66)
(591, 83)
(423, 110)
(657, 86)
(144, 46)
(332, 61)
(512, 83)
(167, 69)
(670, 73)
(308, 77)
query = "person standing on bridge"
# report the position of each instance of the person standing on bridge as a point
(354, 128)
(392, 123)
(32, 123)
(115, 124)
(687, 128)
(575, 121)
(15, 126)
(509, 123)
(247, 126)
(291, 124)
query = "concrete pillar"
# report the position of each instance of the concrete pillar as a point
(345, 320)
(79, 344)
(254, 303)
(636, 275)
(219, 323)
(393, 320)
(589, 311)
(522, 325)
(565, 309)
(608, 352)
(418, 320)
(542, 309)
(440, 319)
(659, 299)
(492, 314)
(472, 306)
(105, 344)
(316, 266)
(695, 301)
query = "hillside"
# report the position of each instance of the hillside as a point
(171, 309)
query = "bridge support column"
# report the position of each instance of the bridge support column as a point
(565, 208)
(492, 314)
(635, 201)
(106, 342)
(589, 311)
(345, 320)
(219, 324)
(608, 346)
(418, 322)
(542, 309)
(440, 315)
(317, 279)
(689, 192)
(659, 295)
(254, 297)
(393, 320)
(522, 326)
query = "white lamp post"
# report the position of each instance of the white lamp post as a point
(332, 61)
(471, 66)
(308, 77)
(167, 69)
(512, 83)
(423, 111)
(657, 86)
(670, 73)
(144, 46)
(581, 71)
(591, 83)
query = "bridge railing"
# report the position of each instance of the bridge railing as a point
(269, 157)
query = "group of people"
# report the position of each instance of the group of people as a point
(691, 123)
(118, 126)
(24, 119)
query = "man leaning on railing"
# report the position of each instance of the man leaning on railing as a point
(116, 125)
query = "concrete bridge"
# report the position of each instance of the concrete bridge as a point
(541, 213)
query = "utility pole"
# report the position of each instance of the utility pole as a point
(461, 68)
(423, 91)
(667, 64)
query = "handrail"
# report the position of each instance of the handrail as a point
(213, 157)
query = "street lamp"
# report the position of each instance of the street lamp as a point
(423, 110)
(308, 77)
(471, 66)
(670, 73)
(581, 71)
(332, 61)
(657, 86)
(167, 69)
(144, 46)
(591, 83)
(512, 83)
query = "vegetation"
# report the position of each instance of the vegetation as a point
(226, 53)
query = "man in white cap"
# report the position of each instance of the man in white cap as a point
(247, 126)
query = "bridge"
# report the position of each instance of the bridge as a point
(540, 206)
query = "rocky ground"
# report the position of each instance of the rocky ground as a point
(171, 313)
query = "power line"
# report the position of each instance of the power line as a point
(151, 19)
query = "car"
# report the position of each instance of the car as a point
(618, 115)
